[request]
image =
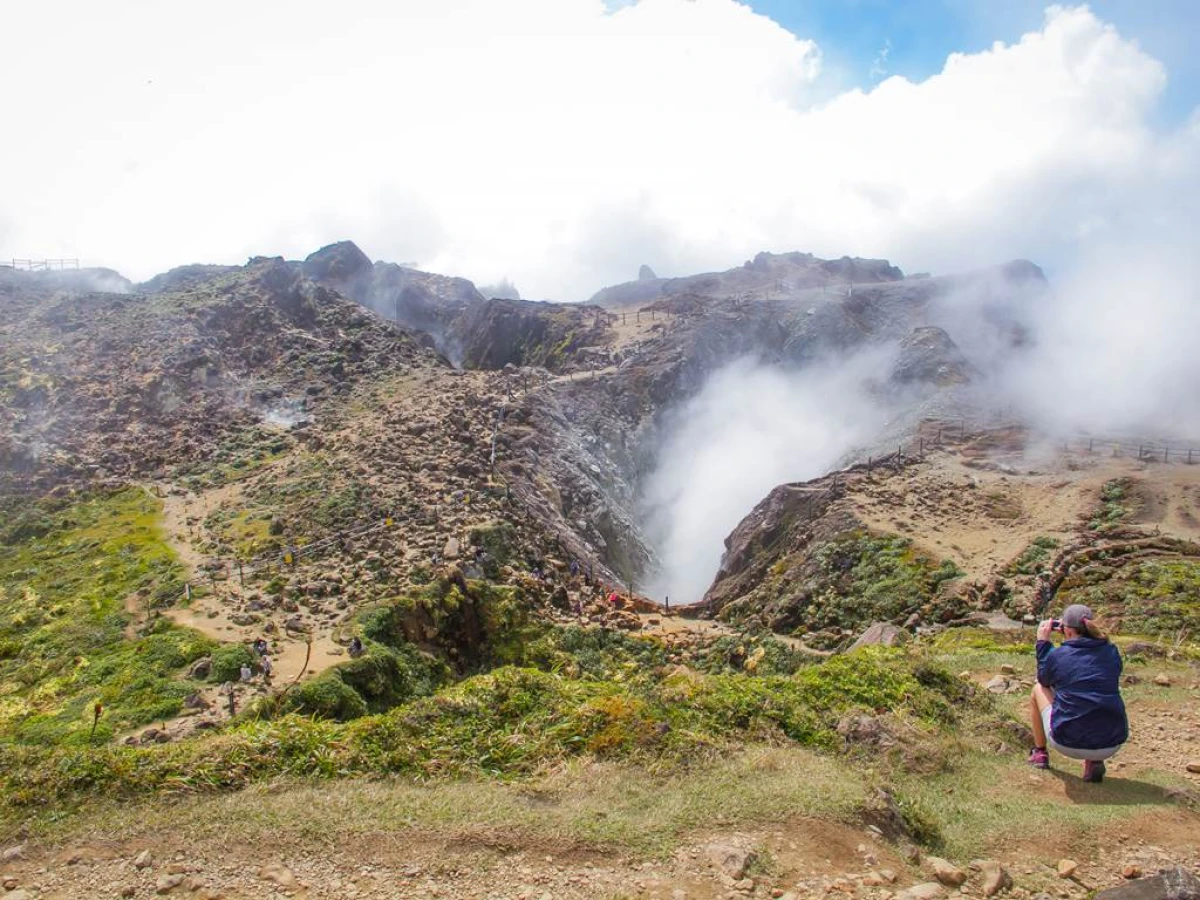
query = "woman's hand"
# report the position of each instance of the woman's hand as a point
(1045, 630)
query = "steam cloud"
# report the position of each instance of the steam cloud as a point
(753, 426)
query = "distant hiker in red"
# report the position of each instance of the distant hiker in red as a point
(614, 599)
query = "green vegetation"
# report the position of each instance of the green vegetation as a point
(514, 722)
(1112, 505)
(867, 578)
(73, 578)
(227, 662)
(1156, 596)
(240, 454)
(1033, 558)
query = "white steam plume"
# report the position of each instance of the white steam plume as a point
(749, 429)
(1117, 346)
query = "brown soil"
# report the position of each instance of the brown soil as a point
(983, 515)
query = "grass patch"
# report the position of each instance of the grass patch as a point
(990, 801)
(64, 639)
(610, 806)
(512, 722)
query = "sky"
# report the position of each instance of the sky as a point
(563, 143)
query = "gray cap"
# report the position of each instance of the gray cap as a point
(1074, 615)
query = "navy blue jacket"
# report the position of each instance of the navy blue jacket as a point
(1085, 673)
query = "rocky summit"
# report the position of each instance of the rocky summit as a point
(336, 578)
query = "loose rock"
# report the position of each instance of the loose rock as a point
(168, 883)
(732, 860)
(994, 877)
(926, 890)
(1170, 884)
(945, 872)
(280, 875)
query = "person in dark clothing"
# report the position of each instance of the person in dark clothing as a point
(1076, 705)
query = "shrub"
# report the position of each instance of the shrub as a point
(227, 662)
(326, 697)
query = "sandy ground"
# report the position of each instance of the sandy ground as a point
(983, 518)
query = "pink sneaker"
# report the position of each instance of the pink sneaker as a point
(1039, 758)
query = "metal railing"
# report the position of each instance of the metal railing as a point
(45, 265)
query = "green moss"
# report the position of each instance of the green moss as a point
(65, 634)
(1033, 558)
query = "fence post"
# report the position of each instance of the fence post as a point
(1166, 454)
(922, 451)
(1091, 441)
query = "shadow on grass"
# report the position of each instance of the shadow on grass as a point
(1116, 791)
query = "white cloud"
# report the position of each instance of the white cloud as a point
(561, 142)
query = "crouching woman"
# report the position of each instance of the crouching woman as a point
(1076, 705)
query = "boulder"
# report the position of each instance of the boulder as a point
(1170, 884)
(881, 634)
(167, 883)
(338, 262)
(926, 890)
(200, 669)
(859, 728)
(1067, 868)
(731, 859)
(945, 871)
(994, 878)
(11, 854)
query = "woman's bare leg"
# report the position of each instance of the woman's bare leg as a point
(1039, 700)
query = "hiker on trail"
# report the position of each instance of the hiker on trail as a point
(614, 599)
(356, 646)
(1076, 706)
(266, 667)
(260, 646)
(246, 674)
